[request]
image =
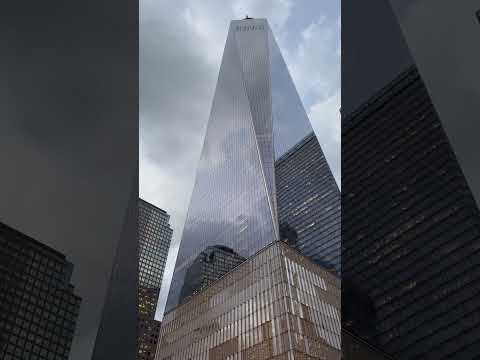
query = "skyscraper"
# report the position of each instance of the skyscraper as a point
(154, 236)
(410, 226)
(256, 118)
(38, 307)
(308, 201)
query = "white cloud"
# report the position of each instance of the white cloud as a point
(314, 64)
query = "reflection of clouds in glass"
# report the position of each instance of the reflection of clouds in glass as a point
(253, 52)
(223, 231)
(211, 264)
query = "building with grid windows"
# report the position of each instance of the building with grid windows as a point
(308, 201)
(154, 236)
(38, 307)
(410, 227)
(148, 327)
(248, 186)
(278, 304)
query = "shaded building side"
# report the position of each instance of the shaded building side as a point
(411, 228)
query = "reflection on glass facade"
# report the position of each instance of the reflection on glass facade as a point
(210, 265)
(38, 307)
(410, 226)
(290, 121)
(277, 304)
(154, 236)
(256, 117)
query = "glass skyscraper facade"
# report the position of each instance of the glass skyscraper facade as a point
(154, 237)
(410, 228)
(38, 306)
(256, 117)
(308, 202)
(148, 327)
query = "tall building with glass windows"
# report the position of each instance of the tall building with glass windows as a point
(38, 306)
(258, 142)
(154, 236)
(278, 304)
(410, 229)
(308, 201)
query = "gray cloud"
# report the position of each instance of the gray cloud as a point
(181, 45)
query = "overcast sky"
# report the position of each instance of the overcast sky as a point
(181, 45)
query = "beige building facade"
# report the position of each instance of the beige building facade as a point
(277, 304)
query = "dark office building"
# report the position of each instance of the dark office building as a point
(154, 236)
(147, 301)
(148, 327)
(356, 348)
(38, 307)
(210, 265)
(248, 190)
(308, 202)
(410, 227)
(358, 311)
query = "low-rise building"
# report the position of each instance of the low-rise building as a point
(277, 304)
